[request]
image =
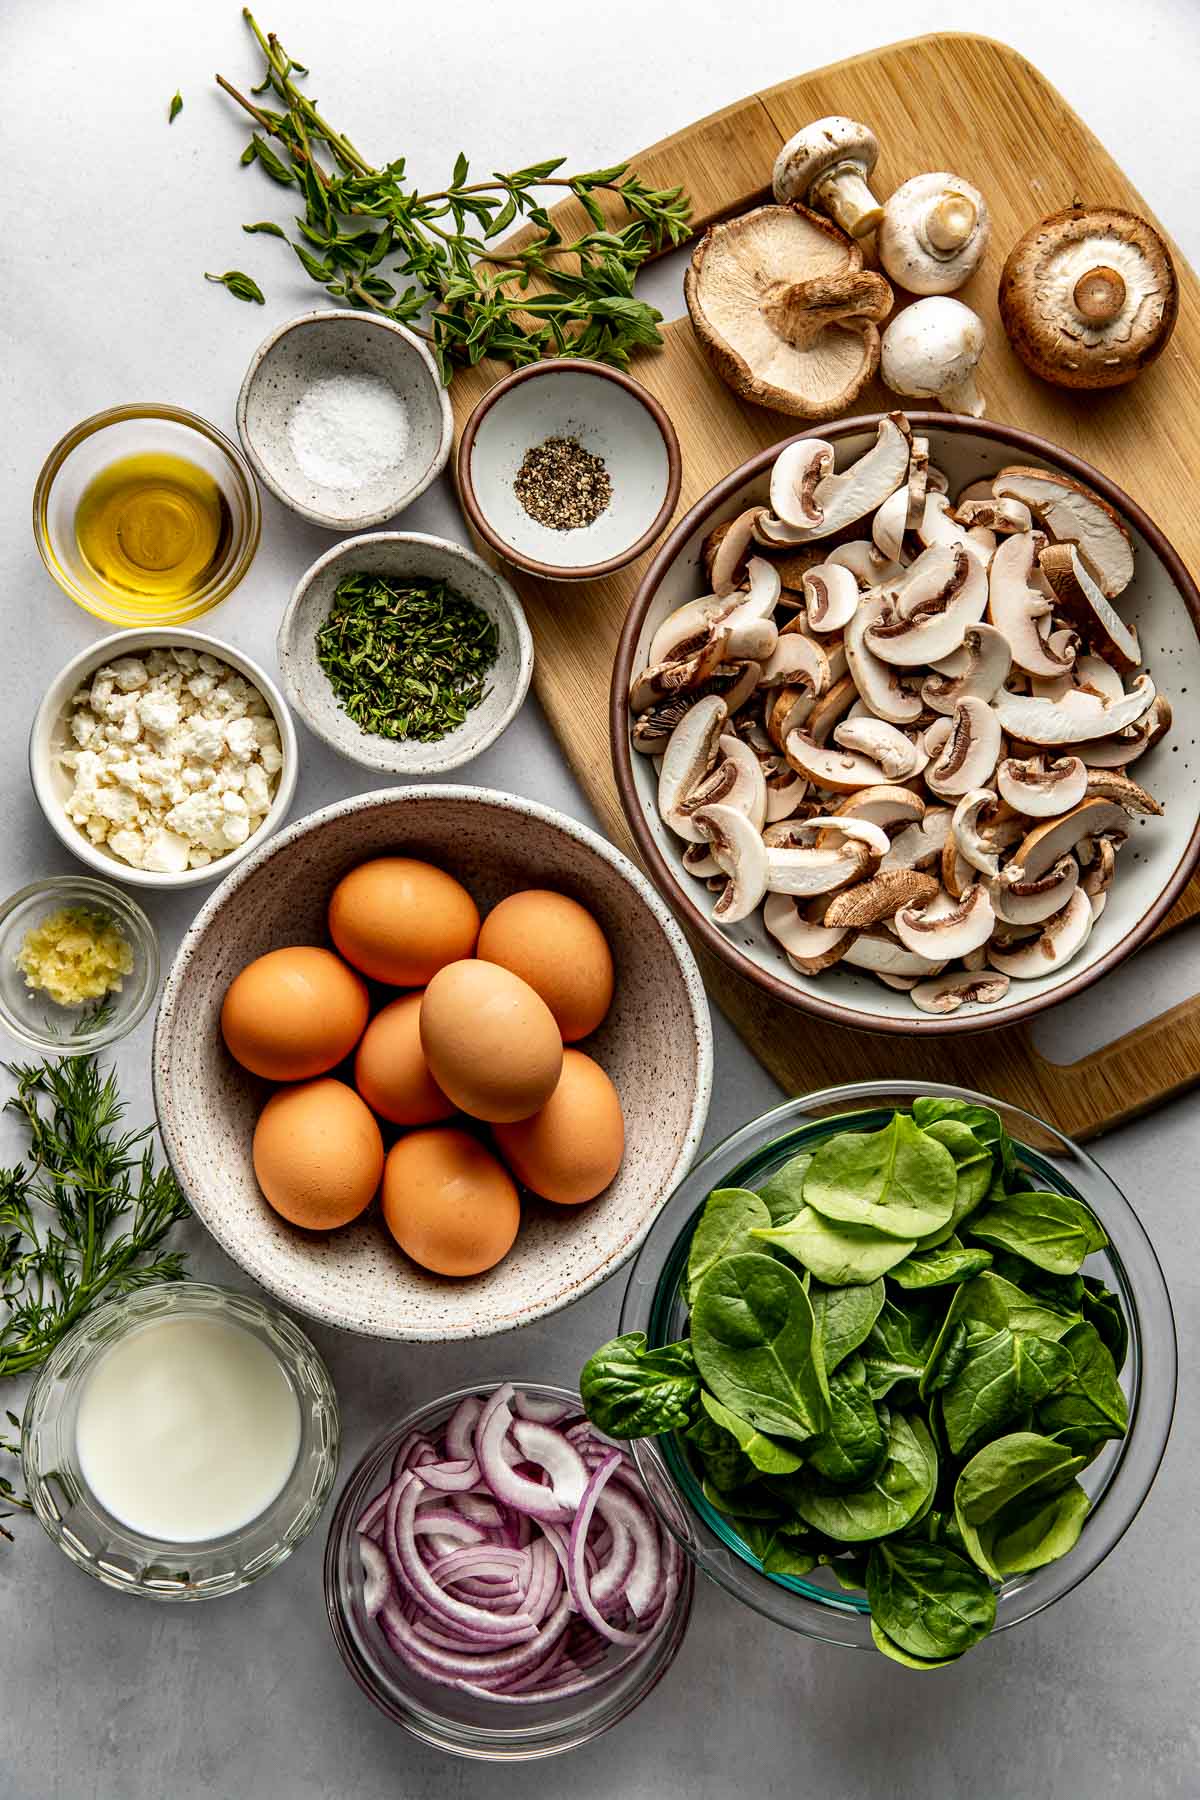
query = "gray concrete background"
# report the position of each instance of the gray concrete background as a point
(110, 221)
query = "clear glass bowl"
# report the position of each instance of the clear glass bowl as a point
(30, 1013)
(1118, 1480)
(95, 444)
(483, 1730)
(128, 1560)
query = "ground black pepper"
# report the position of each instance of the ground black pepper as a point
(562, 485)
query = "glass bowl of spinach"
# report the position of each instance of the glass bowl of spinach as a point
(907, 1356)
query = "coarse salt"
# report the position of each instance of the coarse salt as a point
(346, 431)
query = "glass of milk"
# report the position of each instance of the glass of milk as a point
(181, 1441)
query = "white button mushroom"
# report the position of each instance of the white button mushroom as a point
(935, 229)
(826, 165)
(931, 351)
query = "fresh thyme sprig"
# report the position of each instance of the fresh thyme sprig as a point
(85, 1218)
(550, 295)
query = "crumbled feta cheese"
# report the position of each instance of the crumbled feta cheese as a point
(173, 759)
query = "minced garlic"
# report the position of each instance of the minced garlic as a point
(74, 955)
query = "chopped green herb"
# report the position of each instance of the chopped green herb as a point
(242, 287)
(406, 659)
(176, 107)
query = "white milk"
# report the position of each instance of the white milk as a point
(187, 1429)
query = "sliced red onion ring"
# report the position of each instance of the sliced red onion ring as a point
(451, 1477)
(549, 1449)
(577, 1576)
(510, 1487)
(403, 1552)
(546, 1412)
(377, 1582)
(460, 1429)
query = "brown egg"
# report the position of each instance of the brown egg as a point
(318, 1154)
(448, 1202)
(572, 1148)
(492, 1046)
(294, 1013)
(390, 1071)
(555, 945)
(400, 920)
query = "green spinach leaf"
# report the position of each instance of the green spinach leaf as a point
(927, 1599)
(896, 1348)
(729, 1216)
(991, 1300)
(984, 1121)
(844, 1316)
(853, 1444)
(896, 1494)
(767, 1455)
(1052, 1231)
(1001, 1375)
(756, 1346)
(1001, 1482)
(629, 1391)
(839, 1255)
(899, 1180)
(946, 1263)
(722, 1460)
(1091, 1405)
(891, 1648)
(783, 1194)
(1027, 1537)
(974, 1167)
(1101, 1308)
(749, 1506)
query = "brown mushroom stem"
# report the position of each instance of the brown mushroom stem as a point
(798, 312)
(949, 223)
(845, 196)
(1099, 295)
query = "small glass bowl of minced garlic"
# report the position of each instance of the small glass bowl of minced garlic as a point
(78, 964)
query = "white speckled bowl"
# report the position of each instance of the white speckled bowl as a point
(328, 343)
(656, 1044)
(413, 554)
(49, 733)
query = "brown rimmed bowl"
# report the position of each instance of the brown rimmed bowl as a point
(610, 415)
(1156, 865)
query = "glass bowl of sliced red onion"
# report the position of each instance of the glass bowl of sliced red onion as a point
(496, 1579)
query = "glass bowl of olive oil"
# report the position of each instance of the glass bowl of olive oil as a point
(146, 515)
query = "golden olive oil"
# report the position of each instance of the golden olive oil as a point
(156, 526)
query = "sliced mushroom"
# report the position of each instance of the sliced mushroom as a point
(969, 830)
(795, 474)
(841, 771)
(1099, 877)
(964, 987)
(1000, 516)
(833, 830)
(937, 525)
(830, 707)
(689, 755)
(787, 709)
(1089, 296)
(652, 729)
(931, 611)
(743, 857)
(662, 680)
(1020, 902)
(969, 755)
(1046, 843)
(830, 597)
(1104, 784)
(883, 954)
(806, 870)
(891, 522)
(828, 164)
(1115, 752)
(698, 860)
(737, 780)
(858, 490)
(945, 933)
(934, 230)
(881, 897)
(1080, 598)
(1041, 788)
(796, 661)
(1072, 514)
(917, 486)
(785, 311)
(1090, 674)
(868, 567)
(1020, 609)
(931, 351)
(1061, 937)
(745, 619)
(898, 756)
(977, 670)
(1074, 719)
(810, 948)
(732, 551)
(887, 806)
(876, 683)
(922, 845)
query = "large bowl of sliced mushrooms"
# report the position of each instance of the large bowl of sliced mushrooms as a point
(892, 722)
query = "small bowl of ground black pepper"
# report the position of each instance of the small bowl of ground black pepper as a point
(569, 469)
(405, 653)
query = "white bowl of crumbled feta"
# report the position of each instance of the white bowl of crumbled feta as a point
(162, 758)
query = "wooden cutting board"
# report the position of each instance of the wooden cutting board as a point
(976, 107)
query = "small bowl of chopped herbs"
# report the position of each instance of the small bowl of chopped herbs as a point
(908, 1357)
(569, 469)
(405, 653)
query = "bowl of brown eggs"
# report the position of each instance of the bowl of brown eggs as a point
(428, 1064)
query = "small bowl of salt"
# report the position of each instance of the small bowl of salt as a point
(344, 418)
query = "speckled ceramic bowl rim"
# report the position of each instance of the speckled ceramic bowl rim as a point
(433, 762)
(347, 521)
(128, 643)
(591, 840)
(664, 875)
(571, 571)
